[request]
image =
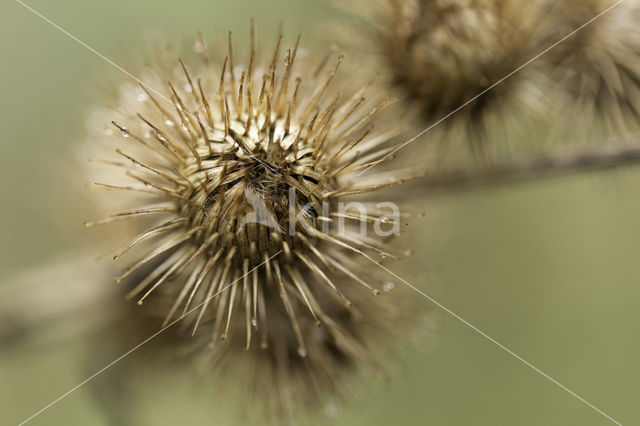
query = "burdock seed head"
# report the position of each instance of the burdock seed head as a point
(599, 65)
(238, 173)
(445, 56)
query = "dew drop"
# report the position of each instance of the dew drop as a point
(384, 219)
(142, 97)
(147, 135)
(169, 123)
(198, 46)
(302, 352)
(332, 410)
(388, 287)
(187, 88)
(125, 132)
(254, 322)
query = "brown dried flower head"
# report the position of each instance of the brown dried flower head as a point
(599, 66)
(443, 54)
(237, 174)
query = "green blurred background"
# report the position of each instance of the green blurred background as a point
(548, 268)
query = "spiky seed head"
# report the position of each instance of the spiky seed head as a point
(599, 65)
(446, 56)
(446, 52)
(237, 171)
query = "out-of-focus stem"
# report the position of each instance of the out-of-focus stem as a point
(543, 166)
(54, 300)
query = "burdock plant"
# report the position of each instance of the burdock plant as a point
(252, 214)
(513, 75)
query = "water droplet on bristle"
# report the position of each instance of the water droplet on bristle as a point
(388, 287)
(332, 410)
(302, 352)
